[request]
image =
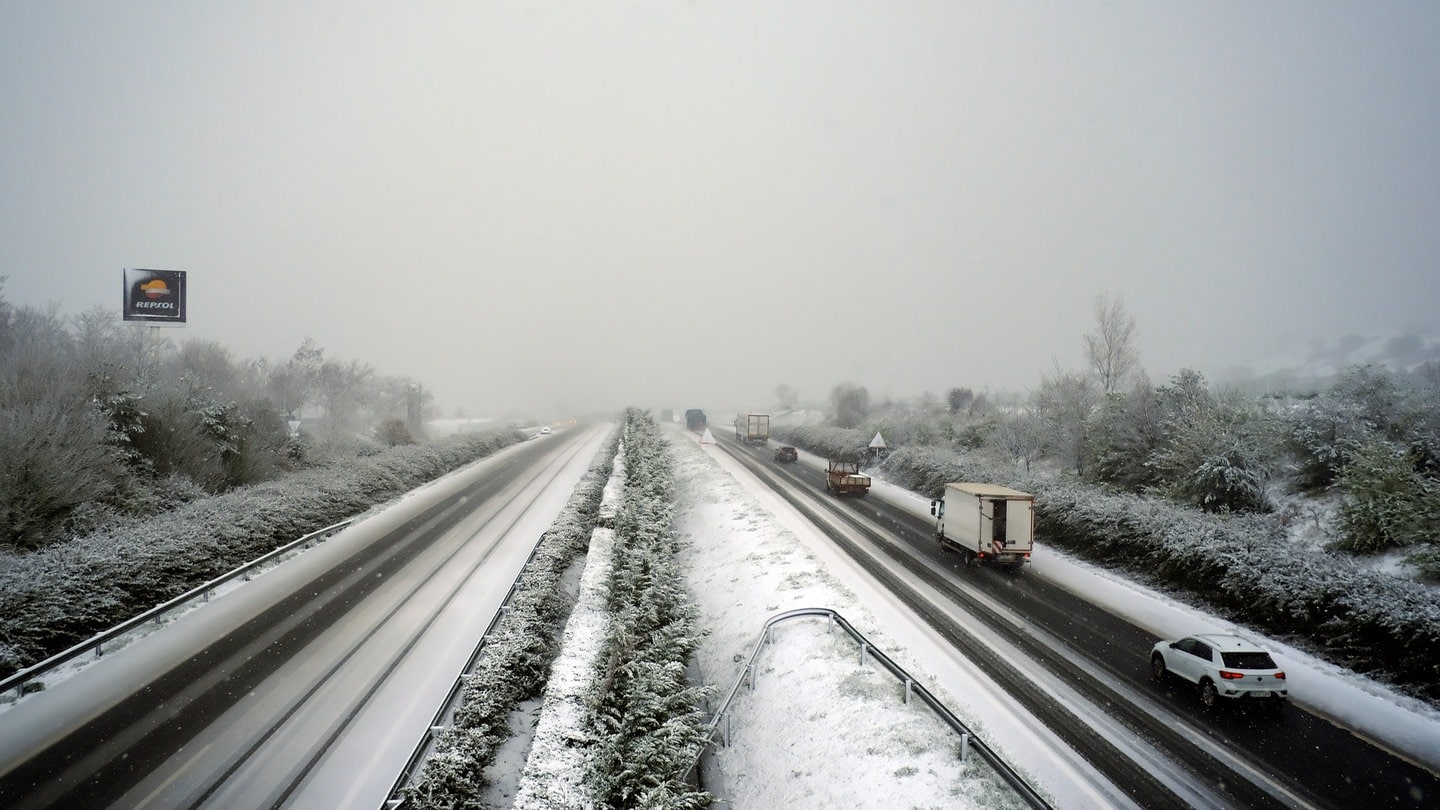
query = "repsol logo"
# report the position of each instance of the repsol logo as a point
(154, 305)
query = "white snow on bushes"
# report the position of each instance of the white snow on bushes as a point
(1244, 565)
(555, 769)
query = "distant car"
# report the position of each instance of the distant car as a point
(786, 455)
(545, 431)
(1223, 667)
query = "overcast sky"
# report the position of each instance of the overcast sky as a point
(571, 206)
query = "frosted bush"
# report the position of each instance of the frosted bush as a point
(515, 660)
(67, 592)
(1242, 565)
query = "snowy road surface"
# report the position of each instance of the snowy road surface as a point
(736, 515)
(818, 730)
(309, 686)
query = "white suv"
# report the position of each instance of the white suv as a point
(1223, 666)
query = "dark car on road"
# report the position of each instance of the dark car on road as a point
(786, 455)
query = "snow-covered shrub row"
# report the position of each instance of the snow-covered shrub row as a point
(515, 659)
(647, 720)
(62, 594)
(831, 442)
(1240, 564)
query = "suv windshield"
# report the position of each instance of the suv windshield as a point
(1248, 660)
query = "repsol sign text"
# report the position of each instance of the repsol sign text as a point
(157, 296)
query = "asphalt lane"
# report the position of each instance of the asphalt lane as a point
(178, 738)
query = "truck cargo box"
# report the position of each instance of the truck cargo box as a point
(986, 522)
(752, 428)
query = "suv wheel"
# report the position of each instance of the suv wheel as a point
(1157, 668)
(1209, 696)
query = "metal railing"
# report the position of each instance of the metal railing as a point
(97, 643)
(968, 740)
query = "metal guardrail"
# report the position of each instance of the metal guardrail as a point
(97, 643)
(395, 799)
(968, 740)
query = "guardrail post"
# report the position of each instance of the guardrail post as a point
(862, 653)
(964, 745)
(830, 624)
(99, 650)
(908, 685)
(750, 676)
(727, 730)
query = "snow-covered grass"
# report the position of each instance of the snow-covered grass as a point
(820, 729)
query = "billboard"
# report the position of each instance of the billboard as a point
(155, 296)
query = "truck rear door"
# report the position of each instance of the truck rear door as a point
(1013, 524)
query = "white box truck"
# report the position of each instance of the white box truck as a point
(752, 428)
(986, 523)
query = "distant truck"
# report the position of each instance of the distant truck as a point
(752, 428)
(695, 419)
(845, 478)
(986, 523)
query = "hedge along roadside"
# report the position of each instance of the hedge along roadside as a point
(515, 661)
(1240, 565)
(645, 724)
(53, 598)
(647, 721)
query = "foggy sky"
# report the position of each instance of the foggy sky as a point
(575, 206)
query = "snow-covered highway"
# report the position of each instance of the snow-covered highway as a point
(309, 686)
(322, 707)
(1248, 744)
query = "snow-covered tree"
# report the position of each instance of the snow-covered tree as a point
(55, 462)
(959, 399)
(344, 390)
(1016, 436)
(1387, 502)
(1111, 347)
(1125, 434)
(1214, 454)
(1063, 406)
(786, 397)
(850, 404)
(58, 463)
(1364, 404)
